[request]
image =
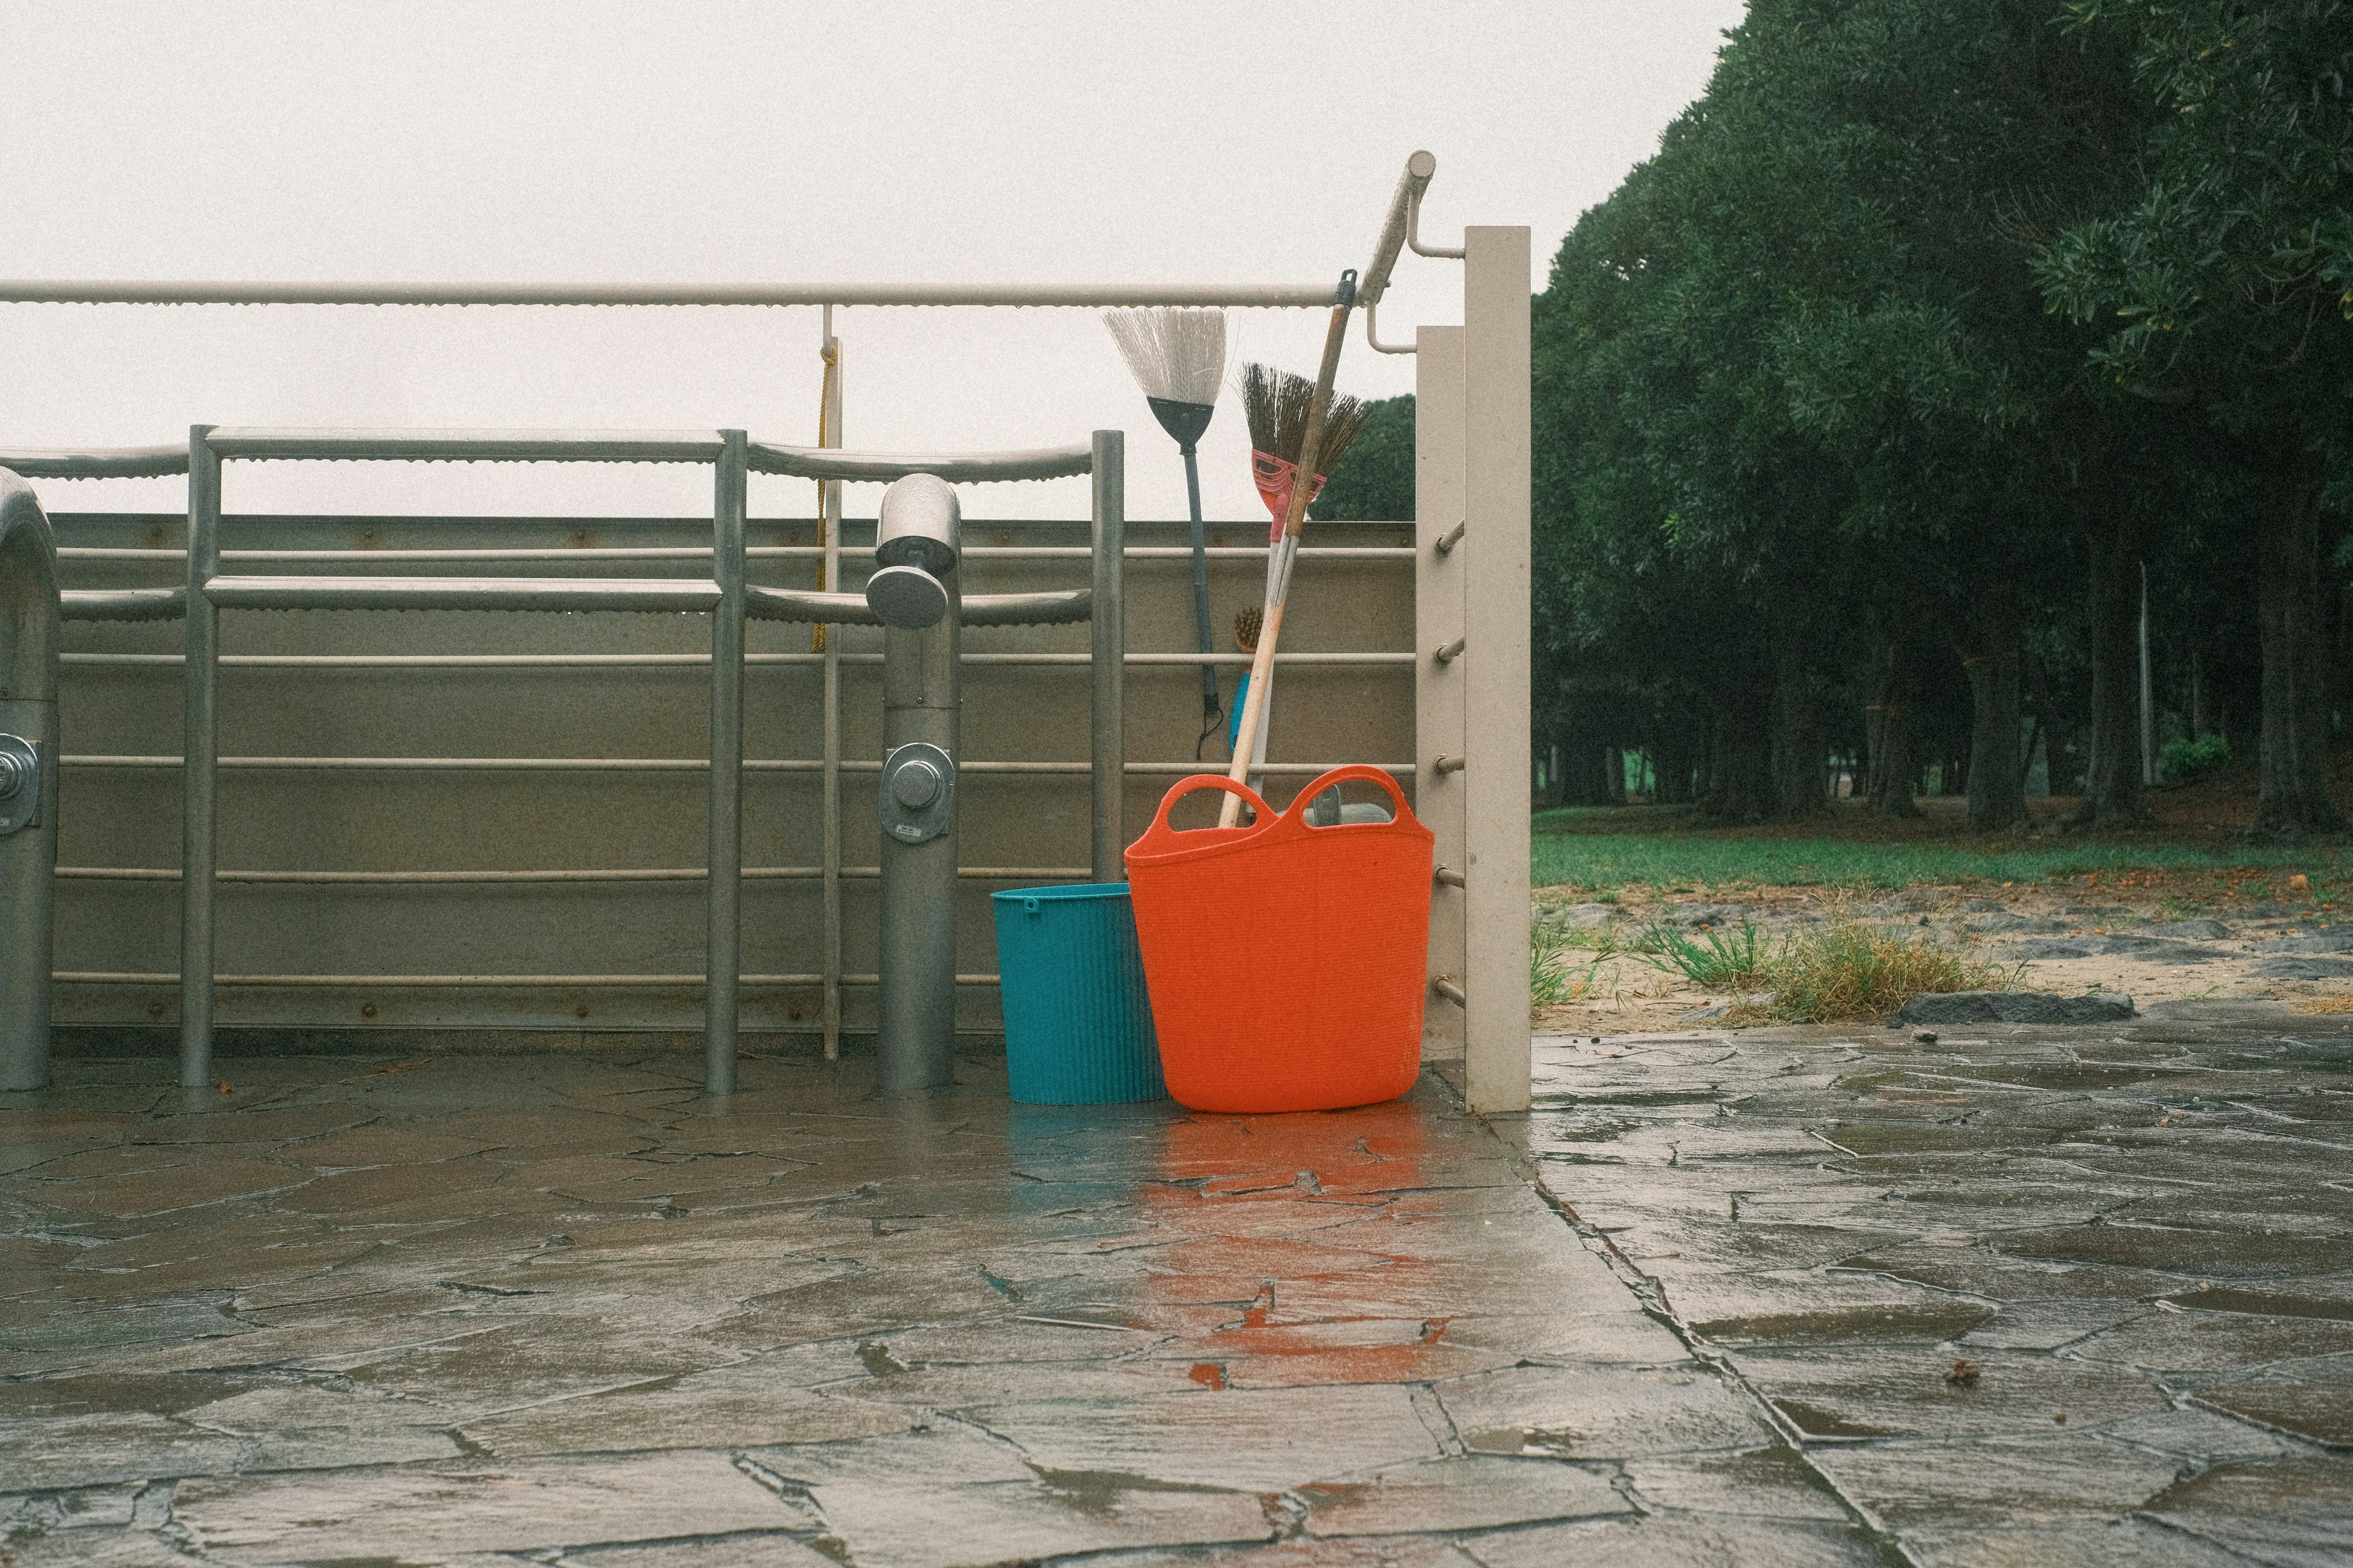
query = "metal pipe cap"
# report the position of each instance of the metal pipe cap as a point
(907, 596)
(918, 525)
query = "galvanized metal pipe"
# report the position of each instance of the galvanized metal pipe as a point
(122, 604)
(1091, 297)
(199, 748)
(668, 595)
(459, 982)
(956, 468)
(915, 1013)
(723, 931)
(676, 765)
(94, 462)
(1107, 709)
(691, 660)
(28, 718)
(1392, 553)
(262, 444)
(624, 874)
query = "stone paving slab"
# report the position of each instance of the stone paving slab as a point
(2013, 1295)
(563, 1310)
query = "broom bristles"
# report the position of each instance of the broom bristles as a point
(1277, 403)
(1176, 354)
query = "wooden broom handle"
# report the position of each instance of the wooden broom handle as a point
(1278, 585)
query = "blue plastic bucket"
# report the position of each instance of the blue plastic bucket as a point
(1078, 1021)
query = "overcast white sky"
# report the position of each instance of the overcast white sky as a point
(926, 141)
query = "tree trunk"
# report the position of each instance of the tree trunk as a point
(2112, 797)
(2294, 796)
(1675, 757)
(1997, 779)
(1889, 731)
(1798, 743)
(1740, 785)
(1613, 775)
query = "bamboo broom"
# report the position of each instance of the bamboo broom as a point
(1283, 549)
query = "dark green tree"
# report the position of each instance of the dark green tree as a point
(2224, 286)
(1375, 483)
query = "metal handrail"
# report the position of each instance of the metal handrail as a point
(95, 462)
(1103, 296)
(552, 877)
(265, 444)
(456, 982)
(956, 468)
(691, 660)
(1396, 555)
(685, 764)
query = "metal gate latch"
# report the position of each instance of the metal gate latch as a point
(20, 783)
(918, 792)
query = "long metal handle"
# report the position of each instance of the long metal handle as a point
(1211, 709)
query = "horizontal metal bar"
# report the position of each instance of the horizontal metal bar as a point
(475, 981)
(467, 445)
(694, 661)
(683, 765)
(122, 604)
(680, 594)
(807, 605)
(95, 462)
(956, 468)
(462, 879)
(1448, 877)
(1050, 609)
(1445, 765)
(1394, 554)
(1082, 296)
(1447, 989)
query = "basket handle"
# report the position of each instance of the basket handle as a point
(1187, 785)
(1299, 802)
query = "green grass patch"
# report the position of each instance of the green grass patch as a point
(1665, 861)
(1716, 961)
(1848, 971)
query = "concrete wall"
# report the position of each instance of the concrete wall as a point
(282, 819)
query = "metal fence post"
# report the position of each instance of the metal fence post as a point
(1109, 641)
(28, 733)
(723, 932)
(199, 763)
(1496, 670)
(1438, 620)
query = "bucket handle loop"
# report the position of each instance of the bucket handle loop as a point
(1297, 815)
(1263, 813)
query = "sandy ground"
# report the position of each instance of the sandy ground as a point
(2140, 938)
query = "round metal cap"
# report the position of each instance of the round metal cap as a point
(906, 596)
(916, 785)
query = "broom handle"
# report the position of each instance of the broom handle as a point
(1201, 595)
(1282, 550)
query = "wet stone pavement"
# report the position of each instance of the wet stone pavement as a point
(2017, 1295)
(559, 1309)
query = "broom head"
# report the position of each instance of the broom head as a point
(1178, 358)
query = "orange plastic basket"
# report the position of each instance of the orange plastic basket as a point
(1286, 962)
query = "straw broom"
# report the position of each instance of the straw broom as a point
(1178, 358)
(1283, 549)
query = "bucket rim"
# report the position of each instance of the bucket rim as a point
(1067, 891)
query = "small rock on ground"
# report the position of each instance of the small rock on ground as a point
(2014, 1007)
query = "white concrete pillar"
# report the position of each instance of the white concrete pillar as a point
(1496, 666)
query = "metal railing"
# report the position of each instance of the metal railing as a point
(220, 591)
